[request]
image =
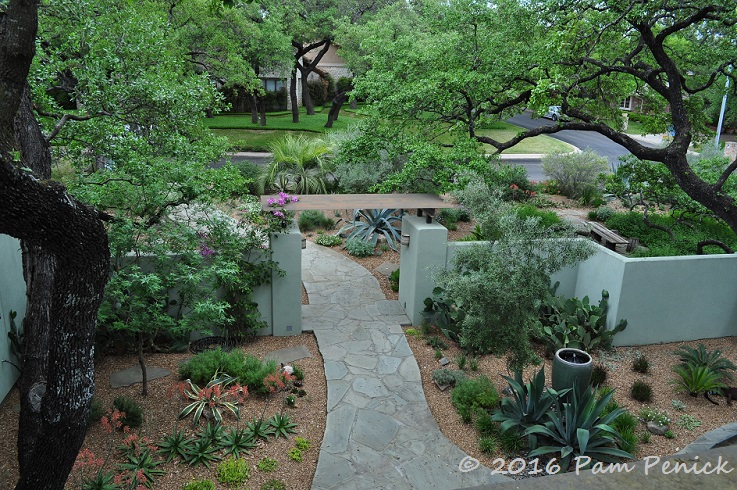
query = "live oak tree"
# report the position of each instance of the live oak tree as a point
(66, 268)
(465, 63)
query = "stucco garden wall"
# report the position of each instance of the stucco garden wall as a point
(12, 298)
(665, 299)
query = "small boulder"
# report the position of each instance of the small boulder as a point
(658, 430)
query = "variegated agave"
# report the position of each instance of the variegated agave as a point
(214, 397)
(368, 224)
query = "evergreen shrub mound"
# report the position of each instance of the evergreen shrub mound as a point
(547, 218)
(312, 219)
(471, 394)
(659, 244)
(132, 410)
(248, 369)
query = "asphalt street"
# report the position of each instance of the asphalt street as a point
(580, 139)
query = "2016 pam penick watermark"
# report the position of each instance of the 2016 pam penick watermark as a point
(652, 465)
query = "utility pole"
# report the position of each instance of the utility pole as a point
(721, 113)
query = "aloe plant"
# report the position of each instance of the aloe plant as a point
(368, 224)
(578, 428)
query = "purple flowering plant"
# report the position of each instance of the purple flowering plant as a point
(276, 214)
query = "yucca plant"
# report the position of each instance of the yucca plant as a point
(713, 360)
(299, 165)
(213, 397)
(368, 224)
(578, 428)
(696, 380)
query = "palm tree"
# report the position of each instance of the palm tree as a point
(299, 165)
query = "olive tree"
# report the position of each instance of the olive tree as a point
(500, 283)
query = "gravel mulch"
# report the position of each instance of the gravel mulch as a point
(160, 410)
(620, 376)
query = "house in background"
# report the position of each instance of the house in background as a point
(276, 84)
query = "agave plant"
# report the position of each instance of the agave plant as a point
(237, 442)
(368, 224)
(282, 425)
(526, 407)
(697, 379)
(701, 357)
(578, 428)
(213, 397)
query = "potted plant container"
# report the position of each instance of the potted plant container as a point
(569, 366)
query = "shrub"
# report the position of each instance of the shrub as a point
(645, 437)
(598, 375)
(547, 218)
(394, 280)
(474, 393)
(274, 485)
(233, 471)
(642, 392)
(641, 365)
(485, 425)
(97, 410)
(435, 342)
(602, 213)
(626, 424)
(318, 90)
(368, 224)
(252, 173)
(438, 354)
(267, 464)
(299, 165)
(133, 411)
(669, 434)
(628, 442)
(574, 172)
(498, 287)
(295, 454)
(312, 219)
(199, 485)
(359, 248)
(449, 377)
(328, 240)
(301, 443)
(247, 369)
(448, 217)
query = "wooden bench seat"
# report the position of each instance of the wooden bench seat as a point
(605, 236)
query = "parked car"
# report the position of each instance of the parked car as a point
(555, 114)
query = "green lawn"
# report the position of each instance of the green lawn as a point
(245, 135)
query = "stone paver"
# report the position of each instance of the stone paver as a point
(289, 354)
(380, 432)
(133, 375)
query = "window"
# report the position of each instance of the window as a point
(273, 84)
(626, 104)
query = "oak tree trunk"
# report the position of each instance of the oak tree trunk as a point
(293, 96)
(66, 265)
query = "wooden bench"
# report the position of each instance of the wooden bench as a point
(605, 236)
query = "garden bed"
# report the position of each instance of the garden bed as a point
(620, 376)
(161, 407)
